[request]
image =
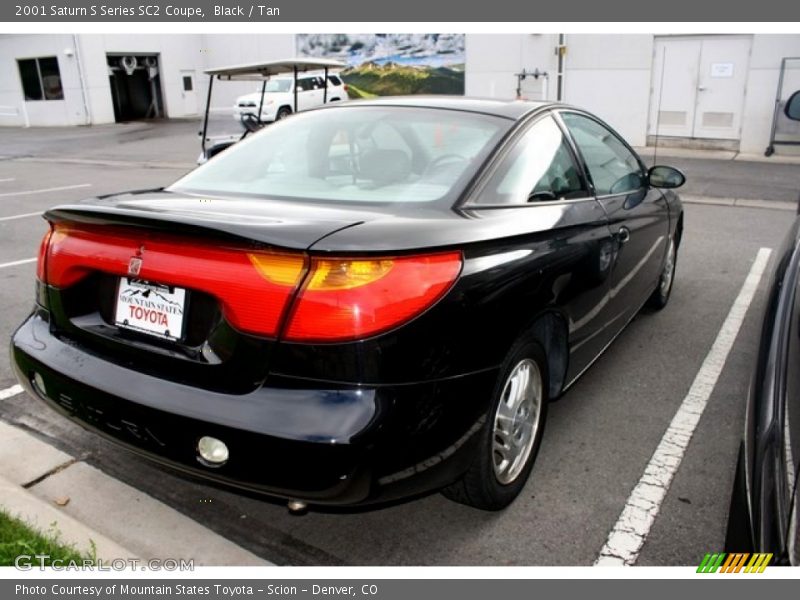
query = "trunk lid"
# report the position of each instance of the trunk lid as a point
(289, 225)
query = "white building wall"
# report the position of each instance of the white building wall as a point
(610, 76)
(13, 107)
(607, 75)
(762, 86)
(492, 61)
(175, 53)
(220, 50)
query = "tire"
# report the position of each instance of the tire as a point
(495, 478)
(283, 112)
(660, 296)
(737, 535)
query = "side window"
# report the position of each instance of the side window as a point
(613, 168)
(305, 84)
(540, 167)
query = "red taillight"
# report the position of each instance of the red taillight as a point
(42, 257)
(341, 299)
(345, 299)
(252, 286)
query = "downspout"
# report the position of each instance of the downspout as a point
(561, 50)
(87, 114)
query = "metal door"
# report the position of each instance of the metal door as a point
(698, 86)
(721, 88)
(188, 93)
(674, 86)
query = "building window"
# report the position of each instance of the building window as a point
(41, 79)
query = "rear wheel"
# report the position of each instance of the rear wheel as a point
(512, 434)
(660, 295)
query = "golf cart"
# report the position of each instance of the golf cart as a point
(259, 72)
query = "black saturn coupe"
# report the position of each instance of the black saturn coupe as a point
(364, 302)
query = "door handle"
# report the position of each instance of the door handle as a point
(623, 235)
(701, 88)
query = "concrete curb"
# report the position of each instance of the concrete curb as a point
(46, 518)
(42, 485)
(646, 152)
(740, 202)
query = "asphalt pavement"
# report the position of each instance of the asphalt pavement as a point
(599, 436)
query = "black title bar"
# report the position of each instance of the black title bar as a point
(442, 11)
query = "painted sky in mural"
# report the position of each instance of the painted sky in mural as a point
(393, 64)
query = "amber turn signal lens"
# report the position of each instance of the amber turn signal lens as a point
(280, 269)
(332, 275)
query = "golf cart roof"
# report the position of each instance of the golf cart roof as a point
(262, 70)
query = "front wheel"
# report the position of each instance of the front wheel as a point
(512, 434)
(284, 112)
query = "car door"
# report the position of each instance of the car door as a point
(309, 92)
(638, 215)
(540, 181)
(786, 428)
(336, 89)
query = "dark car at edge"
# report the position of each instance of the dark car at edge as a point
(765, 508)
(361, 303)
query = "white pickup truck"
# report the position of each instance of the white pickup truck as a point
(279, 96)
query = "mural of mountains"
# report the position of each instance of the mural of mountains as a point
(393, 64)
(391, 79)
(432, 49)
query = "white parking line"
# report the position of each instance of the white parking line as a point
(628, 535)
(9, 392)
(24, 261)
(22, 216)
(7, 179)
(44, 190)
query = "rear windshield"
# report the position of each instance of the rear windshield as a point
(355, 154)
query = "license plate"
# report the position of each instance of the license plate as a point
(150, 308)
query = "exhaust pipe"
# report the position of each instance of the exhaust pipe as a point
(296, 507)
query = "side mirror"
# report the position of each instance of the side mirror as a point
(792, 108)
(662, 176)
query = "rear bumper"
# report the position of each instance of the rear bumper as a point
(323, 443)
